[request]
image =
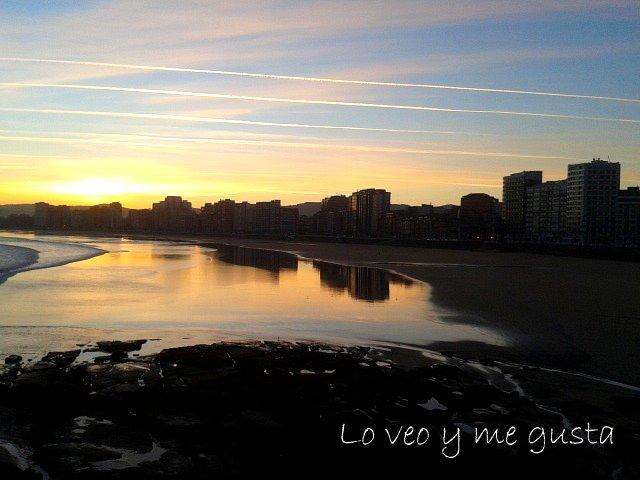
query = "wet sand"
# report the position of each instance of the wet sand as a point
(569, 313)
(561, 312)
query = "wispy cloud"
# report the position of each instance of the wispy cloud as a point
(148, 141)
(25, 155)
(326, 80)
(310, 101)
(189, 118)
(298, 65)
(157, 21)
(21, 138)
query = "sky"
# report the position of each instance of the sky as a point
(132, 101)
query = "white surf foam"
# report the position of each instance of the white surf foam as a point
(13, 257)
(22, 254)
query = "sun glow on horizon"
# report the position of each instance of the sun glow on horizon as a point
(98, 188)
(282, 101)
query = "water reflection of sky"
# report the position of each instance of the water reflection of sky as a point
(163, 286)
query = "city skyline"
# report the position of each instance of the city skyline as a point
(319, 237)
(320, 200)
(587, 207)
(428, 100)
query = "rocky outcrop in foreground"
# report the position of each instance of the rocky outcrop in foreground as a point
(263, 409)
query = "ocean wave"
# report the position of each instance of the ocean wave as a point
(13, 257)
(22, 254)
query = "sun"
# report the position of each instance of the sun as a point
(97, 188)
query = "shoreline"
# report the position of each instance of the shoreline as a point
(596, 252)
(529, 298)
(567, 313)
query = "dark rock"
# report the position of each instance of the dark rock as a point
(233, 410)
(61, 359)
(123, 377)
(171, 464)
(13, 359)
(117, 347)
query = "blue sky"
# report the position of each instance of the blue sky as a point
(574, 47)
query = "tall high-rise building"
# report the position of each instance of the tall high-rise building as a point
(139, 220)
(514, 198)
(267, 217)
(243, 217)
(42, 215)
(289, 220)
(479, 217)
(410, 222)
(207, 218)
(592, 196)
(56, 217)
(333, 217)
(223, 213)
(367, 209)
(173, 214)
(546, 212)
(628, 216)
(103, 217)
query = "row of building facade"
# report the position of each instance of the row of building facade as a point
(361, 214)
(587, 207)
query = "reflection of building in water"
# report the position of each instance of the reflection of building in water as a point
(362, 283)
(333, 276)
(263, 259)
(368, 284)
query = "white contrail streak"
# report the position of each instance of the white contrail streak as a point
(25, 155)
(183, 93)
(323, 80)
(18, 138)
(187, 118)
(264, 143)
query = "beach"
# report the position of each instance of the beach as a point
(558, 312)
(563, 312)
(429, 344)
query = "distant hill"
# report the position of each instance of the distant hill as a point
(308, 208)
(398, 206)
(16, 209)
(446, 208)
(29, 208)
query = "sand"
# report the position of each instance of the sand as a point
(562, 312)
